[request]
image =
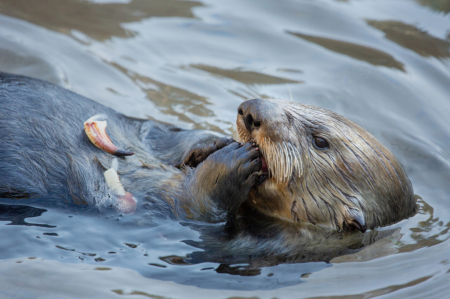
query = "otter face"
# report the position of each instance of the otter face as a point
(323, 168)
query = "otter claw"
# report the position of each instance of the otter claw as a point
(95, 128)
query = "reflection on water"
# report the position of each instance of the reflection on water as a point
(372, 56)
(384, 64)
(438, 5)
(17, 215)
(244, 76)
(98, 20)
(413, 38)
(171, 100)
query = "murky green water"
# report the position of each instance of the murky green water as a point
(383, 64)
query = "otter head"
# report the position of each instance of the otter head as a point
(323, 168)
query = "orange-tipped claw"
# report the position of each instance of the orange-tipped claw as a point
(95, 128)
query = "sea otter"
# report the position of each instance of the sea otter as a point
(296, 171)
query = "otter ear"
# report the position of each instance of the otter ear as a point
(355, 219)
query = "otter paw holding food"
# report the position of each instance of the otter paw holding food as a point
(226, 177)
(199, 154)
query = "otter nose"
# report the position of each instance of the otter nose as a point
(250, 113)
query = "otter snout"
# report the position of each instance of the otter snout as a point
(259, 118)
(256, 114)
(251, 114)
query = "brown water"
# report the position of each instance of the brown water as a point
(383, 64)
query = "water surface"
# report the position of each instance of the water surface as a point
(383, 64)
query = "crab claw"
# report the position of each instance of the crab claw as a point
(95, 128)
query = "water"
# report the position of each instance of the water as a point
(383, 64)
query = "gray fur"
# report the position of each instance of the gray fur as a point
(46, 155)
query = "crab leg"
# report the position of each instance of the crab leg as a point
(95, 128)
(126, 203)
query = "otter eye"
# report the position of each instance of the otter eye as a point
(320, 143)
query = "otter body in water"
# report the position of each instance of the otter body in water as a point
(300, 173)
(47, 158)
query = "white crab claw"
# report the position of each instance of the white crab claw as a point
(126, 203)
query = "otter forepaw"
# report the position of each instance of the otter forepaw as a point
(247, 160)
(238, 165)
(227, 176)
(199, 154)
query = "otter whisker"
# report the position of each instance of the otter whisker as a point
(288, 164)
(298, 160)
(298, 163)
(293, 158)
(277, 158)
(283, 159)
